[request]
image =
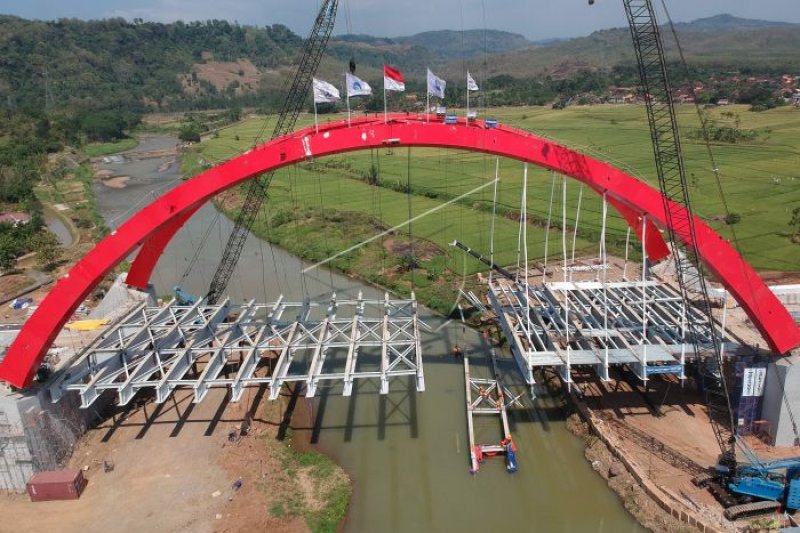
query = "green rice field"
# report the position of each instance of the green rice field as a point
(760, 179)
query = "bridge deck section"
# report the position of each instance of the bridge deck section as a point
(641, 324)
(203, 346)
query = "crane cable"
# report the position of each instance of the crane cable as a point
(410, 218)
(198, 249)
(348, 23)
(704, 128)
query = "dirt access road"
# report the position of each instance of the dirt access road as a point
(173, 471)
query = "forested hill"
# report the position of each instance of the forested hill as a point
(113, 63)
(73, 65)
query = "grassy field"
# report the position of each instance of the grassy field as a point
(114, 147)
(760, 179)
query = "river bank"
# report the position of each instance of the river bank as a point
(649, 504)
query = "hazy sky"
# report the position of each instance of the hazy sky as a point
(536, 19)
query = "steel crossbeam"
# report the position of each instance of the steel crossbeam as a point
(204, 346)
(249, 361)
(352, 349)
(219, 357)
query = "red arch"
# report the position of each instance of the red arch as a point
(155, 225)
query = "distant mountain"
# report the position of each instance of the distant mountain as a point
(449, 44)
(720, 41)
(550, 41)
(727, 22)
(431, 48)
(363, 38)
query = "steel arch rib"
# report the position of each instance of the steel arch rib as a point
(147, 257)
(155, 224)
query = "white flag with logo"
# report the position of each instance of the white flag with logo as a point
(324, 92)
(356, 86)
(471, 85)
(436, 85)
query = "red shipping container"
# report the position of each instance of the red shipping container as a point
(56, 485)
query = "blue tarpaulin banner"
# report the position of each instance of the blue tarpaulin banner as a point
(664, 369)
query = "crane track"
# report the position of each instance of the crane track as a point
(745, 509)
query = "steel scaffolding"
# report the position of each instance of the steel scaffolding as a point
(202, 346)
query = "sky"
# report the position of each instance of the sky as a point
(535, 19)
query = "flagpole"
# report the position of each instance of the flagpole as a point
(467, 97)
(385, 112)
(316, 123)
(348, 108)
(428, 106)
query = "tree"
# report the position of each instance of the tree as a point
(794, 223)
(732, 218)
(48, 251)
(8, 254)
(189, 132)
(371, 176)
(235, 114)
(103, 126)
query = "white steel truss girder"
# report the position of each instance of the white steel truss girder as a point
(179, 346)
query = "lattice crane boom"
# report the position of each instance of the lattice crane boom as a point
(672, 180)
(313, 49)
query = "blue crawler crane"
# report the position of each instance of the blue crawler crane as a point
(772, 482)
(757, 486)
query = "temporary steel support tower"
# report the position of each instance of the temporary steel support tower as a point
(677, 207)
(313, 49)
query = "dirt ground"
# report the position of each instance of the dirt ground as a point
(683, 427)
(174, 469)
(221, 74)
(12, 284)
(680, 407)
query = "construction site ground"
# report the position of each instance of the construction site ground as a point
(174, 469)
(672, 446)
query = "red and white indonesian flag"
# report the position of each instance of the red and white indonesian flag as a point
(356, 86)
(324, 92)
(393, 79)
(436, 85)
(471, 85)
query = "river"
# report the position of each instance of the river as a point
(58, 227)
(405, 452)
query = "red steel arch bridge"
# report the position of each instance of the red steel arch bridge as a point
(150, 230)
